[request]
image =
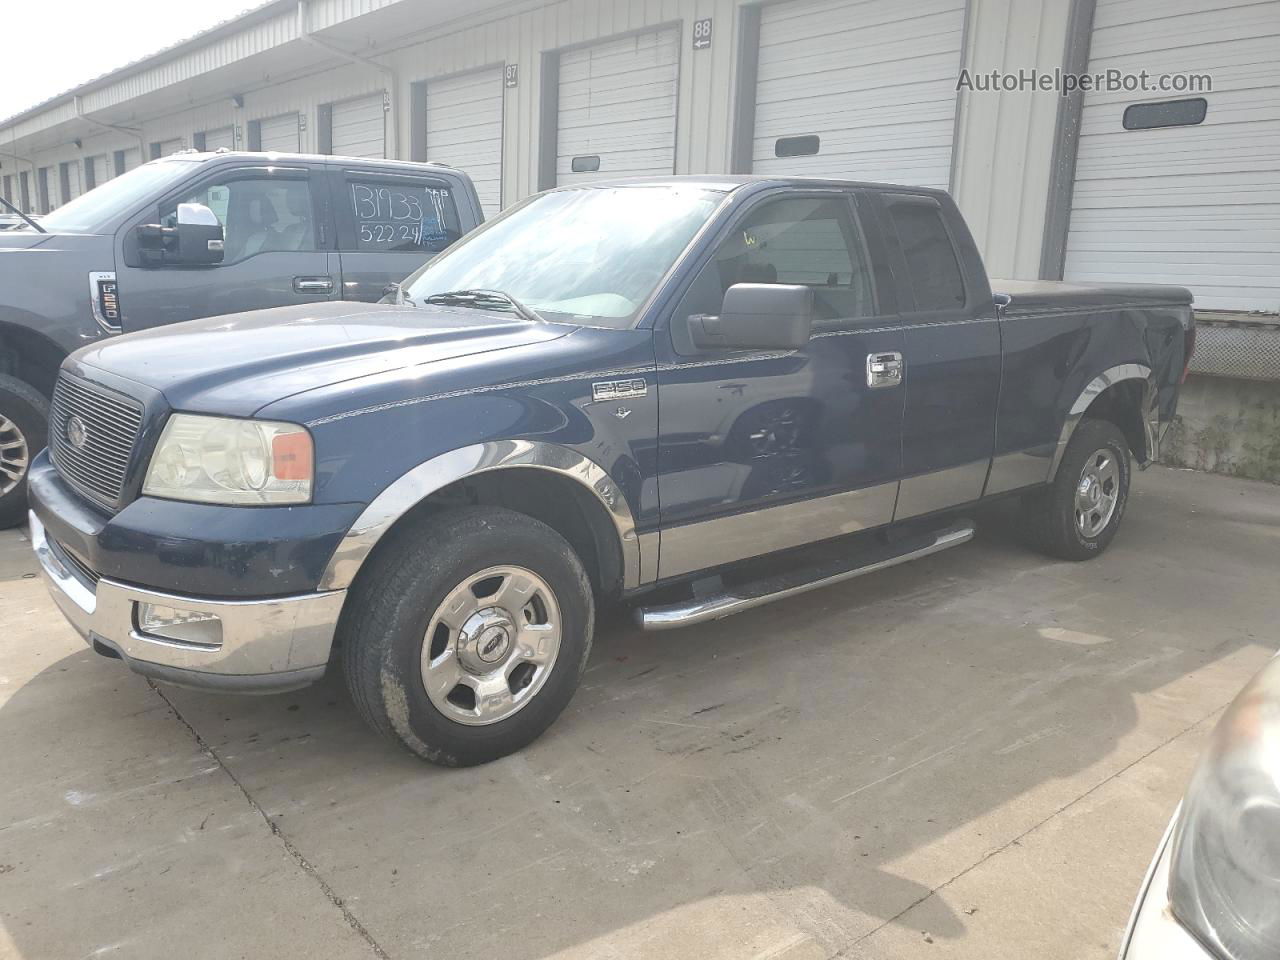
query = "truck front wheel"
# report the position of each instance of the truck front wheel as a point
(24, 428)
(467, 635)
(1077, 515)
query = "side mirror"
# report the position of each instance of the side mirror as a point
(757, 316)
(195, 239)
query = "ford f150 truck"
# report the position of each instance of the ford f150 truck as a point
(641, 390)
(197, 235)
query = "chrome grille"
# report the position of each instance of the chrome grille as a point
(106, 425)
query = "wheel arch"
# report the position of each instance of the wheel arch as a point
(1125, 395)
(525, 475)
(30, 356)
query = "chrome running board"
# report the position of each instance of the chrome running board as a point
(760, 592)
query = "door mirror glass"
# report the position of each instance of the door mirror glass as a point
(757, 316)
(194, 238)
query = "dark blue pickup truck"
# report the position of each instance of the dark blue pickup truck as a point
(640, 390)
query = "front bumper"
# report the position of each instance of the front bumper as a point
(267, 645)
(1154, 933)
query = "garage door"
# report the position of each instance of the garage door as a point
(169, 147)
(464, 129)
(359, 128)
(617, 114)
(1196, 203)
(863, 90)
(101, 168)
(132, 158)
(72, 186)
(224, 138)
(279, 134)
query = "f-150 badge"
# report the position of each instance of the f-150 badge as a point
(619, 389)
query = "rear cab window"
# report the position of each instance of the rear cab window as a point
(933, 275)
(390, 213)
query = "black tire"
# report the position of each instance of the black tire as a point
(384, 624)
(24, 412)
(1050, 516)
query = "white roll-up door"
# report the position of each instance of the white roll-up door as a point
(464, 129)
(279, 134)
(617, 111)
(169, 147)
(220, 139)
(132, 158)
(861, 90)
(359, 128)
(75, 182)
(102, 168)
(1194, 204)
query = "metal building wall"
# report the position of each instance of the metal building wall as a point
(1000, 160)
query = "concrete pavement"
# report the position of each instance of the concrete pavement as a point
(969, 756)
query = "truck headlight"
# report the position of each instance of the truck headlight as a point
(1224, 879)
(221, 460)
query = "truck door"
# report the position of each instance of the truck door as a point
(951, 354)
(275, 230)
(761, 451)
(390, 224)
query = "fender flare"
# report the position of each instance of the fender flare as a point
(1109, 378)
(417, 484)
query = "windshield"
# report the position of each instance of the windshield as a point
(591, 255)
(93, 212)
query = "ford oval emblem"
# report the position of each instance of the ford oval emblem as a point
(77, 432)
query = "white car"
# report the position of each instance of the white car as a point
(1213, 892)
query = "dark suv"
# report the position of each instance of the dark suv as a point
(200, 235)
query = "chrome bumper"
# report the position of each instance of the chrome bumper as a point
(267, 645)
(1154, 933)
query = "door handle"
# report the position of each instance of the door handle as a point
(884, 370)
(313, 284)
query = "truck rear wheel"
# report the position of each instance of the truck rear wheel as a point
(468, 634)
(24, 429)
(1077, 516)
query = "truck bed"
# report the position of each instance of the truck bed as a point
(1052, 296)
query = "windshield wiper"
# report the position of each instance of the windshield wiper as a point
(31, 223)
(484, 298)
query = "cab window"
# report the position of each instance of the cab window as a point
(258, 214)
(399, 215)
(810, 241)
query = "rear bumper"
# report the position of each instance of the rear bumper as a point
(267, 645)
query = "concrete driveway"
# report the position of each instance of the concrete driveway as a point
(970, 756)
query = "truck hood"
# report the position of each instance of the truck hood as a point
(239, 363)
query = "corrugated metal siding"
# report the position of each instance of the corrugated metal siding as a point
(1197, 205)
(1004, 142)
(618, 103)
(359, 128)
(875, 81)
(280, 134)
(464, 129)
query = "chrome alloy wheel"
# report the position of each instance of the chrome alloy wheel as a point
(490, 645)
(13, 455)
(1097, 493)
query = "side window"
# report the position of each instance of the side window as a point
(258, 214)
(932, 268)
(802, 240)
(399, 216)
